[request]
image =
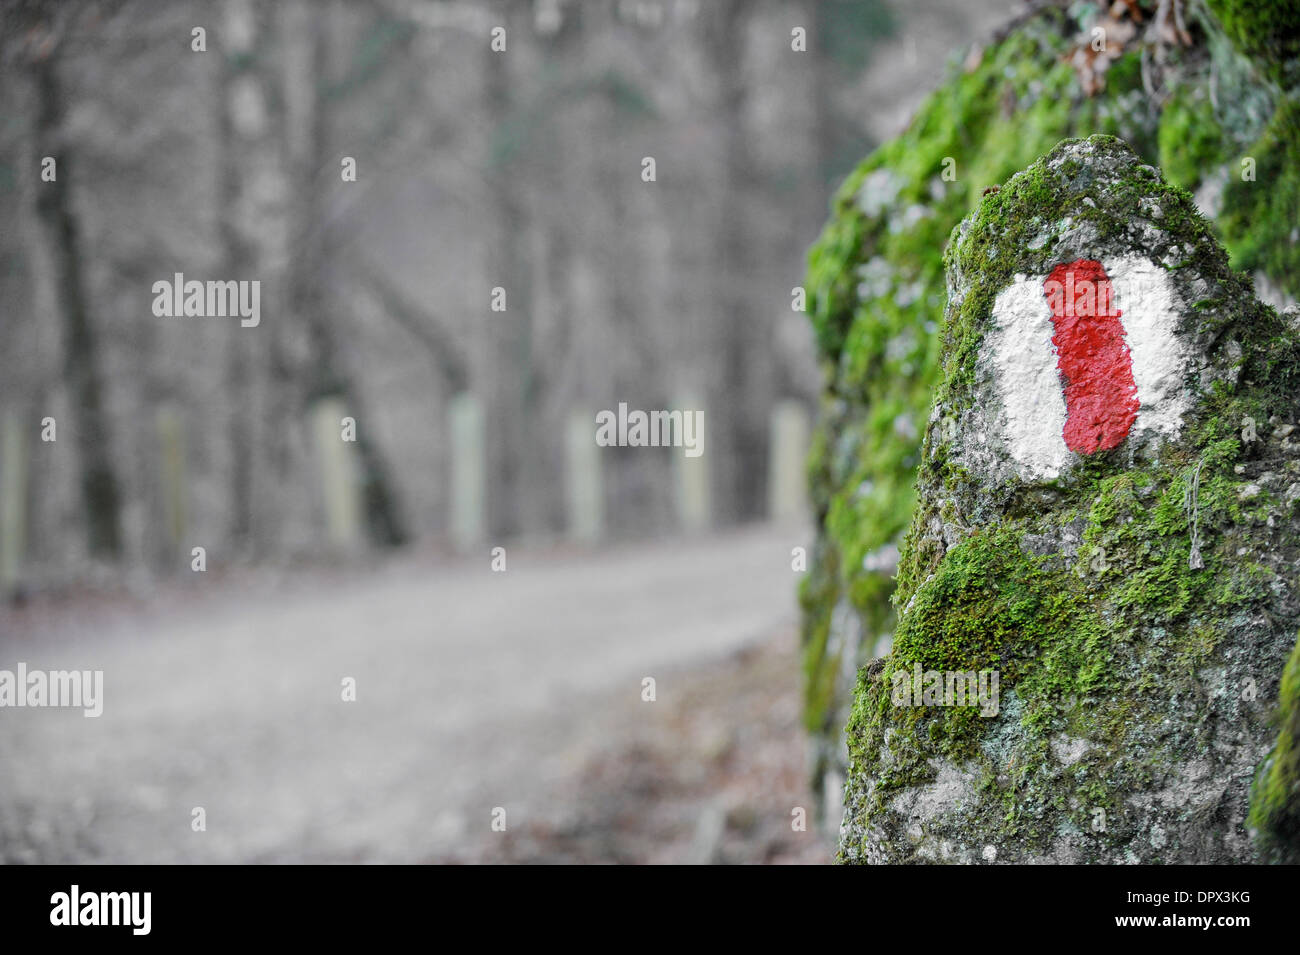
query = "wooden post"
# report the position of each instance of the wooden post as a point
(584, 487)
(694, 500)
(338, 473)
(468, 472)
(787, 451)
(13, 500)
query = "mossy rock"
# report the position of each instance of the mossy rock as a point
(1134, 595)
(876, 284)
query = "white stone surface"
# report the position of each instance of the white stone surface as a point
(1019, 346)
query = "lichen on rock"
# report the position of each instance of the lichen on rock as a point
(1137, 684)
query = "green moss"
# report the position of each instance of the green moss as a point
(1275, 799)
(990, 605)
(1192, 143)
(1260, 219)
(1267, 31)
(816, 598)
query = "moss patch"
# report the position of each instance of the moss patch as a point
(1261, 216)
(1267, 31)
(1275, 802)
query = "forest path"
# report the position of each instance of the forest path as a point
(474, 690)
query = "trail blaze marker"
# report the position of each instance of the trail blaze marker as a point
(1101, 400)
(1083, 359)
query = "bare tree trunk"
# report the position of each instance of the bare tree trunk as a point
(638, 479)
(82, 369)
(248, 167)
(510, 333)
(737, 426)
(311, 159)
(552, 259)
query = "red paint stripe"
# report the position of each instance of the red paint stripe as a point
(1100, 392)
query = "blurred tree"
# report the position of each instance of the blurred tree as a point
(252, 223)
(61, 231)
(313, 166)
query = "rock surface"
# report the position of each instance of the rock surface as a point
(1136, 602)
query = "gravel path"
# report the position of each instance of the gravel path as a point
(475, 690)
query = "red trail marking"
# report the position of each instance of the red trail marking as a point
(1100, 392)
